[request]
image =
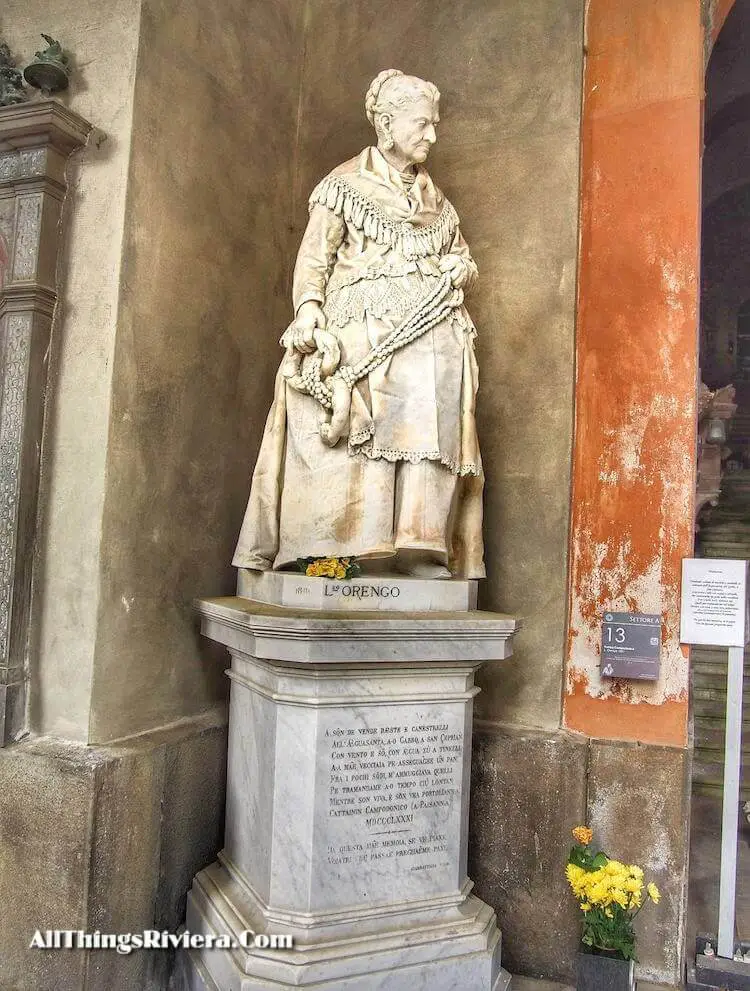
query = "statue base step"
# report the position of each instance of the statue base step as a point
(437, 950)
(370, 593)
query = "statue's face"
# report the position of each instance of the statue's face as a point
(413, 130)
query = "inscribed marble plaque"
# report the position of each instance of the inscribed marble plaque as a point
(390, 810)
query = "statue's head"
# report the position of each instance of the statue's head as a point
(404, 112)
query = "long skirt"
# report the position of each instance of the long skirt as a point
(311, 500)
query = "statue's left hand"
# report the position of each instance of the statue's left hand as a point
(457, 268)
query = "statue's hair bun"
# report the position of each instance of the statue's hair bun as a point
(371, 100)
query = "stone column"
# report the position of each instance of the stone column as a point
(632, 519)
(36, 140)
(347, 802)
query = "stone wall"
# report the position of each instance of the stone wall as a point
(520, 837)
(636, 798)
(104, 39)
(132, 825)
(203, 302)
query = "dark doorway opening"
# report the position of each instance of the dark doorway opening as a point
(724, 449)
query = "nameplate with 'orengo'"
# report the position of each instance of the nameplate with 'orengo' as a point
(366, 593)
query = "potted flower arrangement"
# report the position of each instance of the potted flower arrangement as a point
(610, 895)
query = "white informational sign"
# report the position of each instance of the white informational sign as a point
(714, 602)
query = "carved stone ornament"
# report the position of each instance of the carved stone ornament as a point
(50, 70)
(371, 450)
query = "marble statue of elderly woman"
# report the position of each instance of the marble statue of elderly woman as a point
(370, 449)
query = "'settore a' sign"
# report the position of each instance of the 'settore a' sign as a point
(631, 644)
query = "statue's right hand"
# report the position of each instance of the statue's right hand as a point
(301, 332)
(328, 346)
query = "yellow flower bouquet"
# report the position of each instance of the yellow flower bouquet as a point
(610, 895)
(341, 568)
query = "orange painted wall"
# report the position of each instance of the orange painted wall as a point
(633, 468)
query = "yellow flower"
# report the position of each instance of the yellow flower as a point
(585, 907)
(614, 868)
(328, 567)
(621, 898)
(609, 913)
(635, 871)
(577, 878)
(653, 892)
(597, 888)
(583, 835)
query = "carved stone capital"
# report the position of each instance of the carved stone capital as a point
(42, 124)
(25, 298)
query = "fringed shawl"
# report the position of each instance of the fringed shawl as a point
(339, 193)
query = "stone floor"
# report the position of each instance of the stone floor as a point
(528, 984)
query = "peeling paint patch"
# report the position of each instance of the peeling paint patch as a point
(628, 445)
(673, 285)
(609, 477)
(613, 718)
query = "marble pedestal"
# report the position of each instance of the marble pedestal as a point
(347, 804)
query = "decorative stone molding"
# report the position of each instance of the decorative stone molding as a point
(15, 368)
(22, 165)
(28, 226)
(36, 140)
